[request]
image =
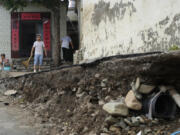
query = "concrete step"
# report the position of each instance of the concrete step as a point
(18, 66)
(30, 68)
(19, 61)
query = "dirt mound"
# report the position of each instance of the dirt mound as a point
(70, 100)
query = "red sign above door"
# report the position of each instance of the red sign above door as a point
(30, 16)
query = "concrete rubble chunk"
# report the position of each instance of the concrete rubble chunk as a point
(116, 108)
(10, 92)
(97, 75)
(132, 102)
(176, 96)
(137, 84)
(135, 121)
(146, 89)
(140, 119)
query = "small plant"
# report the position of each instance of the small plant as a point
(173, 48)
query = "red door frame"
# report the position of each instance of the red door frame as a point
(29, 16)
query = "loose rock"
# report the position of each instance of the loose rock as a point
(146, 89)
(132, 102)
(114, 129)
(10, 92)
(135, 121)
(116, 108)
(128, 121)
(97, 75)
(140, 119)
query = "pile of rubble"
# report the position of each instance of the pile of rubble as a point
(78, 109)
(120, 118)
(94, 99)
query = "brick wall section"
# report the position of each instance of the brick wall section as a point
(5, 32)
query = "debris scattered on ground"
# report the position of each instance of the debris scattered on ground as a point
(10, 92)
(116, 108)
(70, 101)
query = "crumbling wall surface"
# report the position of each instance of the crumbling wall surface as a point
(72, 97)
(112, 27)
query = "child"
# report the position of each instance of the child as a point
(4, 62)
(38, 57)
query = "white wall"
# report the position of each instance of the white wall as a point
(5, 32)
(112, 27)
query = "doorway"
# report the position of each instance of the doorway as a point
(28, 31)
(24, 27)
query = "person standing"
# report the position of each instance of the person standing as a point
(4, 62)
(65, 44)
(38, 47)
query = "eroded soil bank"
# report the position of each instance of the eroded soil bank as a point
(70, 99)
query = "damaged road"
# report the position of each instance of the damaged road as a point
(70, 100)
(14, 121)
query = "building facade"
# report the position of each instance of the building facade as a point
(112, 27)
(18, 30)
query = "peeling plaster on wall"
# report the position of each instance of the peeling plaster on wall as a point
(103, 11)
(153, 26)
(153, 41)
(165, 21)
(149, 38)
(93, 46)
(174, 30)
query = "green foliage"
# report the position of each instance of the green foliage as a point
(173, 48)
(13, 4)
(20, 4)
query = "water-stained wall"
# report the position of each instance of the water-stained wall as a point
(111, 27)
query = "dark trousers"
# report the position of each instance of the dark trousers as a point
(67, 54)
